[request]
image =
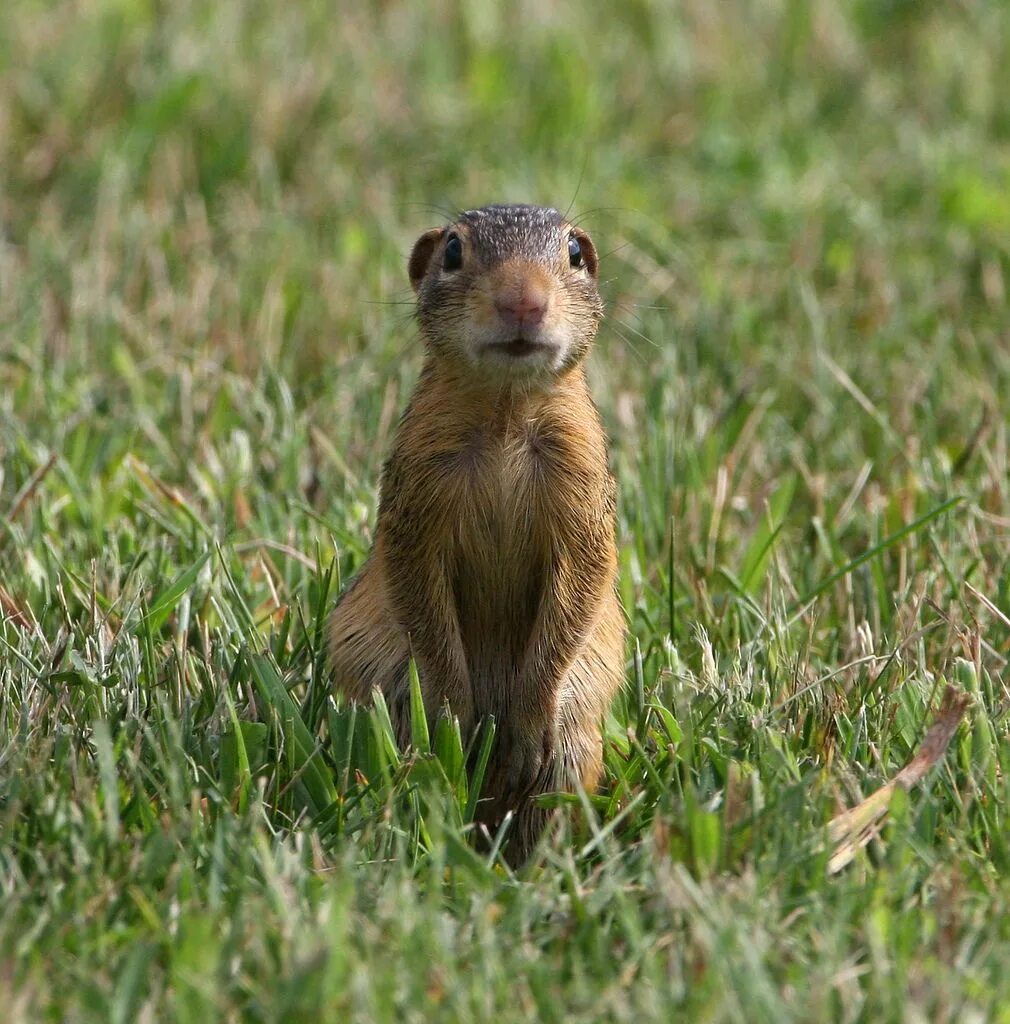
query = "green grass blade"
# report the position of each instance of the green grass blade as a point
(887, 542)
(305, 759)
(420, 739)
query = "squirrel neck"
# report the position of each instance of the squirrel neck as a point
(501, 401)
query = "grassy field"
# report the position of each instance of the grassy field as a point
(205, 341)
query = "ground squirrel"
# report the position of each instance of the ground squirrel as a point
(494, 561)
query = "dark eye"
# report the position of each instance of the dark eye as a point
(452, 258)
(574, 252)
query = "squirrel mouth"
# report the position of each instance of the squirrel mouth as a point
(520, 347)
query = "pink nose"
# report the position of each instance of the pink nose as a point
(526, 310)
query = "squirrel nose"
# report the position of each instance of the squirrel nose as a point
(522, 310)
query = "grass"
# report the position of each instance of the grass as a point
(205, 340)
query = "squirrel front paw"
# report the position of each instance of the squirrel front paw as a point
(528, 758)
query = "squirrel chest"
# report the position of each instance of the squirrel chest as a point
(508, 491)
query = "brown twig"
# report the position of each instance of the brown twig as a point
(12, 612)
(31, 486)
(851, 830)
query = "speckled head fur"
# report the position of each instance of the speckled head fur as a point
(508, 291)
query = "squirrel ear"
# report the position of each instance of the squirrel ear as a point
(420, 256)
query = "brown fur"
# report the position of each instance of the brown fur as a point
(494, 561)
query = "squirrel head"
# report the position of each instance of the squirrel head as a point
(508, 291)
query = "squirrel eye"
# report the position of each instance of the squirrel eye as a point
(574, 252)
(452, 258)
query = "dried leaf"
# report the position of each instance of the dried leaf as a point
(851, 830)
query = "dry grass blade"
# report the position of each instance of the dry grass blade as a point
(31, 486)
(851, 830)
(12, 611)
(1001, 615)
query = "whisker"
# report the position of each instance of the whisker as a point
(644, 337)
(601, 209)
(627, 341)
(623, 245)
(432, 208)
(582, 173)
(629, 307)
